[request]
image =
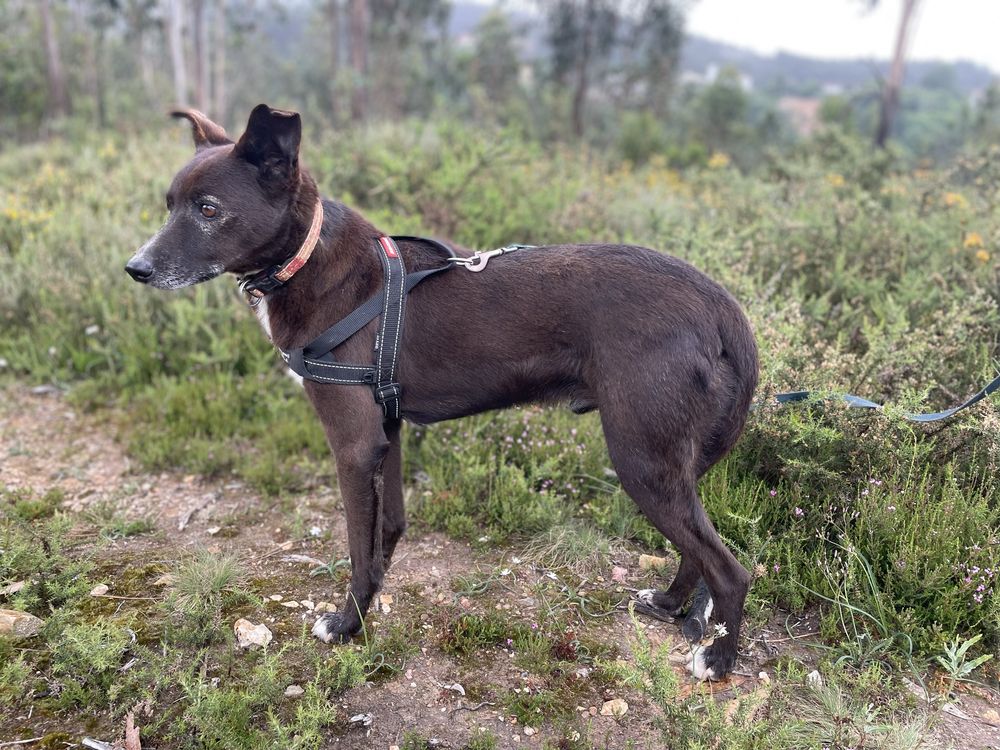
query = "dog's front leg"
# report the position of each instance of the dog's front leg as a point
(360, 446)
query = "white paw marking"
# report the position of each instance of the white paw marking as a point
(322, 631)
(708, 609)
(698, 668)
(646, 596)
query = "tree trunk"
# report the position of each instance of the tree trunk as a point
(59, 103)
(219, 44)
(333, 16)
(359, 59)
(176, 33)
(582, 67)
(199, 32)
(891, 89)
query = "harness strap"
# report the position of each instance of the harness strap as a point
(316, 362)
(387, 390)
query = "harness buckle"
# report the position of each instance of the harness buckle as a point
(387, 392)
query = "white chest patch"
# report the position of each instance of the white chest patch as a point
(265, 323)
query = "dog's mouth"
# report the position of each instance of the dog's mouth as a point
(170, 276)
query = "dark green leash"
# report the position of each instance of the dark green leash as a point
(863, 403)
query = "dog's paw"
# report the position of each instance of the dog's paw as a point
(646, 596)
(667, 605)
(710, 663)
(331, 628)
(696, 623)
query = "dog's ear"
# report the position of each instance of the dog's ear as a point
(206, 133)
(271, 143)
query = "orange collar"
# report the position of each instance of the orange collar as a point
(259, 284)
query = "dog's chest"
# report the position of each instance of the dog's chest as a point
(265, 323)
(262, 317)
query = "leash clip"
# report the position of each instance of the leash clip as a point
(477, 262)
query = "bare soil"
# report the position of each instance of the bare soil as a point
(46, 444)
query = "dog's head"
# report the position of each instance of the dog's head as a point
(230, 206)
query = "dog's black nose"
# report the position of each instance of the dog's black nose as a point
(139, 269)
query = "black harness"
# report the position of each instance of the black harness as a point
(316, 362)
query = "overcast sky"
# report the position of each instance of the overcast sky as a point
(946, 29)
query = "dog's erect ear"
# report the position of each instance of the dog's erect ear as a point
(206, 133)
(271, 142)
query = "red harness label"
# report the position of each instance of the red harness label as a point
(388, 246)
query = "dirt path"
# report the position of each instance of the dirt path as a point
(45, 444)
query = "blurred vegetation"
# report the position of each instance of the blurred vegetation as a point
(862, 271)
(859, 274)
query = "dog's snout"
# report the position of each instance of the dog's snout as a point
(139, 269)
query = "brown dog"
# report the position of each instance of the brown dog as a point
(664, 353)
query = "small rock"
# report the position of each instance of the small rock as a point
(528, 731)
(99, 590)
(619, 574)
(364, 720)
(953, 709)
(614, 707)
(249, 635)
(764, 677)
(308, 604)
(291, 604)
(915, 689)
(275, 597)
(213, 530)
(167, 579)
(324, 607)
(294, 691)
(456, 688)
(991, 715)
(13, 588)
(814, 679)
(517, 738)
(19, 624)
(652, 562)
(583, 673)
(304, 559)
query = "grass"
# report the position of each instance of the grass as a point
(859, 274)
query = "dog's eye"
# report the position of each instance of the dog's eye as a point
(208, 210)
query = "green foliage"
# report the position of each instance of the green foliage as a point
(86, 658)
(858, 273)
(202, 587)
(954, 660)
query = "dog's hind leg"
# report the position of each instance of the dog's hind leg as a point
(658, 473)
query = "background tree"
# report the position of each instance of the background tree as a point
(897, 70)
(59, 102)
(581, 35)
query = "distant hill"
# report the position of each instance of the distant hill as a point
(798, 72)
(786, 73)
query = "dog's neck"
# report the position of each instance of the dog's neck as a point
(342, 272)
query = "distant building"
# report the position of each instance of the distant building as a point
(802, 113)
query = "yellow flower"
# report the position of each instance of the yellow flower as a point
(837, 180)
(955, 200)
(972, 239)
(982, 256)
(144, 215)
(718, 160)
